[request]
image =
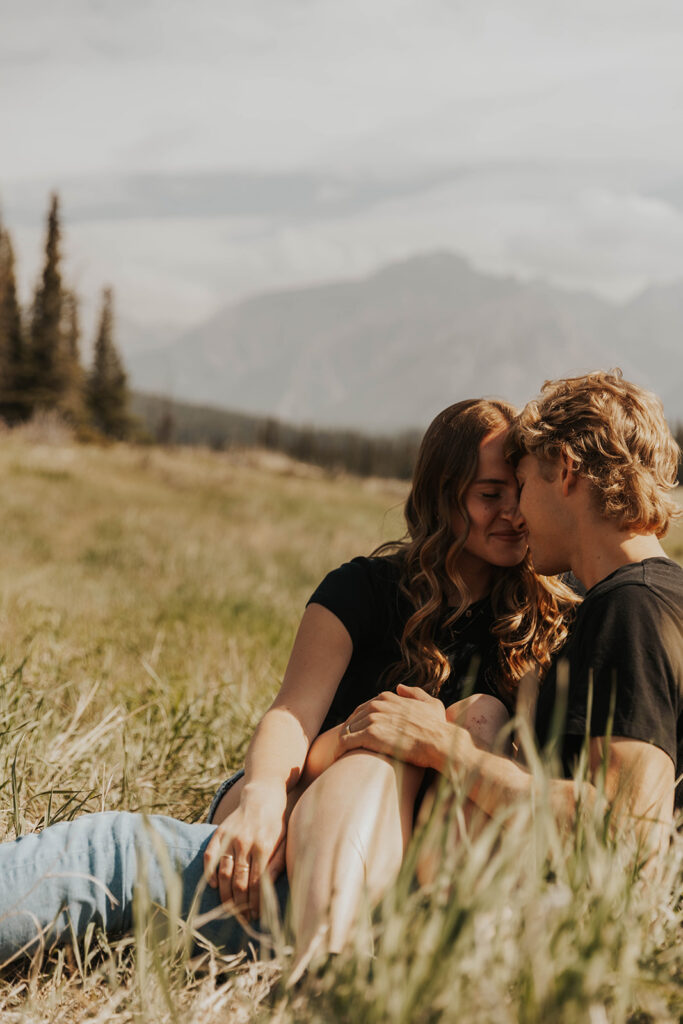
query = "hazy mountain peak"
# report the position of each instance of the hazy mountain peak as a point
(386, 351)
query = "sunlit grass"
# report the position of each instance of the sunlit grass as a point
(148, 602)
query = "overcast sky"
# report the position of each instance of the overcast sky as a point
(208, 150)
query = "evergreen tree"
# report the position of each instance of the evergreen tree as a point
(72, 400)
(48, 369)
(13, 398)
(71, 327)
(107, 390)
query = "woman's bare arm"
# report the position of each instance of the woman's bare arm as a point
(245, 841)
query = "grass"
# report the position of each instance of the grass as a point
(149, 600)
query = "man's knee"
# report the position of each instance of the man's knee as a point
(482, 714)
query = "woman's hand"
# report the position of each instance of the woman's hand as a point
(247, 843)
(251, 839)
(408, 725)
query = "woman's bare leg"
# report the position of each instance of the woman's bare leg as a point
(346, 840)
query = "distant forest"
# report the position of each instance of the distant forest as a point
(171, 422)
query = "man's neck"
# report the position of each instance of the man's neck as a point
(603, 549)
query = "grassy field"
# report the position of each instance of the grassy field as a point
(149, 599)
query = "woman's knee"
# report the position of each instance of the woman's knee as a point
(361, 797)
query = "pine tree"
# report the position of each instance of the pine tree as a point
(13, 398)
(107, 390)
(48, 371)
(71, 329)
(72, 402)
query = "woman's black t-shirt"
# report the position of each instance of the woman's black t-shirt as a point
(365, 596)
(626, 650)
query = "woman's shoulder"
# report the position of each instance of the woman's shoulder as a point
(363, 594)
(374, 571)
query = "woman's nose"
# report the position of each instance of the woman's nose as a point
(514, 516)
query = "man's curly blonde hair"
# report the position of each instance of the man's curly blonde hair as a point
(616, 434)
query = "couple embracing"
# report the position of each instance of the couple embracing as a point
(406, 667)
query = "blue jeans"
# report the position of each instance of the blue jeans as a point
(54, 883)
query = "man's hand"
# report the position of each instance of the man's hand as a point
(408, 725)
(248, 842)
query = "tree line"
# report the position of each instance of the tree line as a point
(40, 359)
(172, 422)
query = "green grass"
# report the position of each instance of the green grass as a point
(148, 602)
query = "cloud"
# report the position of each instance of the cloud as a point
(165, 86)
(622, 239)
(204, 151)
(572, 226)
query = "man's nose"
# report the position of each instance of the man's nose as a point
(518, 520)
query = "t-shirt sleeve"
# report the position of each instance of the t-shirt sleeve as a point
(356, 593)
(626, 656)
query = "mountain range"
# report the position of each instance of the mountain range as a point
(387, 351)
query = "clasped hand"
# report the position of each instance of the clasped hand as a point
(408, 725)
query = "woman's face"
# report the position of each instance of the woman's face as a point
(497, 535)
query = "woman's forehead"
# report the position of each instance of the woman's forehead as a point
(491, 464)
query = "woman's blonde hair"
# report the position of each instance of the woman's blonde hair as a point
(530, 611)
(616, 434)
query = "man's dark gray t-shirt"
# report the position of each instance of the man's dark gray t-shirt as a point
(627, 646)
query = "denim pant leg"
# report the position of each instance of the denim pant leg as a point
(224, 787)
(87, 870)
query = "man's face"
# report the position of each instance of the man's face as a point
(544, 514)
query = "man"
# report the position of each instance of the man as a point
(595, 464)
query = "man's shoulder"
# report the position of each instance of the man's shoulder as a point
(651, 583)
(637, 608)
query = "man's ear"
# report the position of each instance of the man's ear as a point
(568, 473)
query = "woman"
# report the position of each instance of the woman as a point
(452, 608)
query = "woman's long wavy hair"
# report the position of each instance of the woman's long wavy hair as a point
(531, 612)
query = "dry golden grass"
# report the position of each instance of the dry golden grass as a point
(149, 600)
(153, 597)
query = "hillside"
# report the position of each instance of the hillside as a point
(388, 351)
